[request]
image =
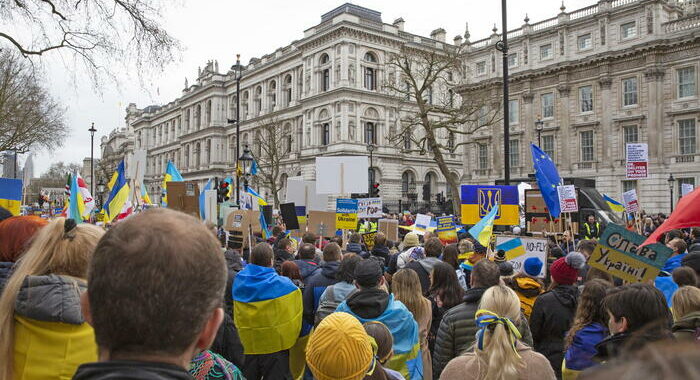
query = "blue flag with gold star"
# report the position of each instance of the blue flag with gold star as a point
(547, 179)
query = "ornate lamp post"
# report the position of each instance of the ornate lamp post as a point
(539, 126)
(671, 181)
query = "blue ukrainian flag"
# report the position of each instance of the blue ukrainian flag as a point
(11, 194)
(118, 194)
(478, 200)
(513, 247)
(202, 201)
(267, 310)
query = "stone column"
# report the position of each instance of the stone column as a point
(655, 134)
(564, 123)
(528, 120)
(605, 130)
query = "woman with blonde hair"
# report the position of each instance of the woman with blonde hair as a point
(43, 334)
(406, 288)
(498, 353)
(686, 313)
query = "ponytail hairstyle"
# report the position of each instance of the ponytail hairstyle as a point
(60, 248)
(495, 349)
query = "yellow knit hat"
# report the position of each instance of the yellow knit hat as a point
(339, 349)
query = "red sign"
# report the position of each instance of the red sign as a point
(637, 170)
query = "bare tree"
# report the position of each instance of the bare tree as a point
(90, 35)
(434, 119)
(272, 146)
(60, 170)
(29, 117)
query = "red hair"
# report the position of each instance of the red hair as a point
(16, 234)
(291, 270)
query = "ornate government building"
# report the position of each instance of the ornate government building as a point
(614, 72)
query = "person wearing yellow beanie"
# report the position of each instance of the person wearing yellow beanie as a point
(340, 349)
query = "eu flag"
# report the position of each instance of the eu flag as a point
(547, 179)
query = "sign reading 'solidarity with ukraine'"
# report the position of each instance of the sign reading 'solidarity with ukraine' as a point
(346, 214)
(477, 201)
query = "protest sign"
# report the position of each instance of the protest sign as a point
(342, 174)
(422, 223)
(303, 193)
(446, 229)
(518, 249)
(477, 201)
(617, 253)
(368, 239)
(346, 214)
(289, 216)
(322, 223)
(567, 198)
(301, 214)
(686, 189)
(369, 208)
(629, 198)
(637, 160)
(390, 228)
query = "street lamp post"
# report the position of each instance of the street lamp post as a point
(370, 147)
(539, 126)
(92, 131)
(246, 160)
(671, 180)
(100, 190)
(237, 69)
(502, 46)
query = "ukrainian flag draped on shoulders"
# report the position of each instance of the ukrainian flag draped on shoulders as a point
(407, 354)
(267, 310)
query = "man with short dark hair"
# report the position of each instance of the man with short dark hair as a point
(591, 228)
(458, 328)
(267, 311)
(284, 251)
(316, 283)
(694, 245)
(306, 261)
(355, 246)
(155, 286)
(312, 238)
(423, 267)
(380, 248)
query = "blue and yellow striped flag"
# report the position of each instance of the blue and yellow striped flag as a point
(614, 205)
(11, 194)
(171, 175)
(482, 231)
(118, 194)
(513, 247)
(76, 207)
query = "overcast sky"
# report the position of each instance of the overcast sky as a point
(218, 29)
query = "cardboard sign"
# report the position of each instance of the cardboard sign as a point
(390, 228)
(242, 224)
(686, 189)
(519, 248)
(617, 253)
(368, 239)
(629, 198)
(342, 174)
(537, 219)
(289, 216)
(370, 208)
(446, 229)
(322, 223)
(567, 198)
(477, 201)
(637, 161)
(346, 214)
(184, 196)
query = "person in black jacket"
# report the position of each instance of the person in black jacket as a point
(284, 251)
(694, 245)
(305, 262)
(553, 311)
(317, 283)
(380, 248)
(423, 267)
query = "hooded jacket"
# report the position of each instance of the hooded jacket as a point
(551, 318)
(423, 268)
(356, 248)
(131, 370)
(579, 356)
(306, 268)
(381, 251)
(51, 336)
(316, 284)
(527, 289)
(688, 327)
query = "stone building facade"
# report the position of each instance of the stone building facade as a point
(616, 72)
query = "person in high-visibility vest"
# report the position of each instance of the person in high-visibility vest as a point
(367, 226)
(591, 228)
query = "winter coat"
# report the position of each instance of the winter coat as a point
(333, 296)
(227, 342)
(579, 356)
(209, 365)
(6, 268)
(423, 268)
(281, 255)
(423, 331)
(357, 248)
(527, 288)
(467, 366)
(51, 336)
(550, 320)
(673, 263)
(306, 268)
(316, 284)
(381, 251)
(694, 246)
(457, 331)
(131, 370)
(410, 254)
(688, 327)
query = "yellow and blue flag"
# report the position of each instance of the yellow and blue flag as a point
(145, 199)
(202, 197)
(478, 200)
(261, 200)
(482, 231)
(614, 205)
(76, 207)
(513, 247)
(229, 180)
(547, 179)
(171, 175)
(118, 194)
(11, 194)
(267, 310)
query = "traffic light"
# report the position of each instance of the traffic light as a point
(375, 190)
(222, 192)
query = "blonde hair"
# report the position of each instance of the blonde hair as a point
(498, 356)
(53, 251)
(406, 288)
(685, 301)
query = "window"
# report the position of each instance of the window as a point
(429, 96)
(513, 60)
(407, 140)
(408, 184)
(585, 95)
(546, 51)
(628, 30)
(371, 133)
(449, 76)
(586, 146)
(451, 95)
(483, 112)
(585, 42)
(369, 57)
(686, 82)
(630, 134)
(548, 145)
(686, 136)
(326, 79)
(481, 68)
(326, 134)
(451, 142)
(370, 79)
(289, 143)
(547, 105)
(514, 153)
(483, 158)
(629, 91)
(629, 185)
(513, 112)
(324, 59)
(684, 181)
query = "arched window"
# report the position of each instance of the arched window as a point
(232, 107)
(244, 105)
(408, 184)
(208, 152)
(287, 133)
(370, 79)
(325, 79)
(187, 156)
(257, 101)
(429, 186)
(325, 134)
(273, 94)
(451, 95)
(208, 111)
(197, 155)
(451, 141)
(187, 121)
(407, 140)
(371, 133)
(288, 89)
(324, 59)
(370, 57)
(198, 116)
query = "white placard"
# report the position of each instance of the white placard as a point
(342, 174)
(567, 198)
(422, 223)
(534, 247)
(686, 189)
(637, 160)
(370, 208)
(247, 201)
(210, 206)
(137, 167)
(630, 200)
(303, 193)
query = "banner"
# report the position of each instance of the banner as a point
(477, 201)
(629, 198)
(617, 254)
(686, 189)
(446, 229)
(368, 239)
(518, 249)
(637, 160)
(342, 174)
(567, 198)
(346, 214)
(370, 208)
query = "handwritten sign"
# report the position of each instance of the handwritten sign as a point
(346, 214)
(370, 208)
(368, 239)
(617, 253)
(518, 249)
(629, 198)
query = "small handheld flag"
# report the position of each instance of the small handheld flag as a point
(614, 205)
(513, 248)
(482, 231)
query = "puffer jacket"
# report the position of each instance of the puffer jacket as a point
(315, 286)
(457, 331)
(527, 288)
(51, 336)
(306, 268)
(688, 327)
(357, 248)
(550, 320)
(579, 356)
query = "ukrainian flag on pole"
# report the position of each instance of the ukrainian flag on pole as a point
(118, 194)
(482, 231)
(11, 194)
(171, 175)
(76, 207)
(614, 205)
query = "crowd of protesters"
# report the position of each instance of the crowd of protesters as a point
(161, 296)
